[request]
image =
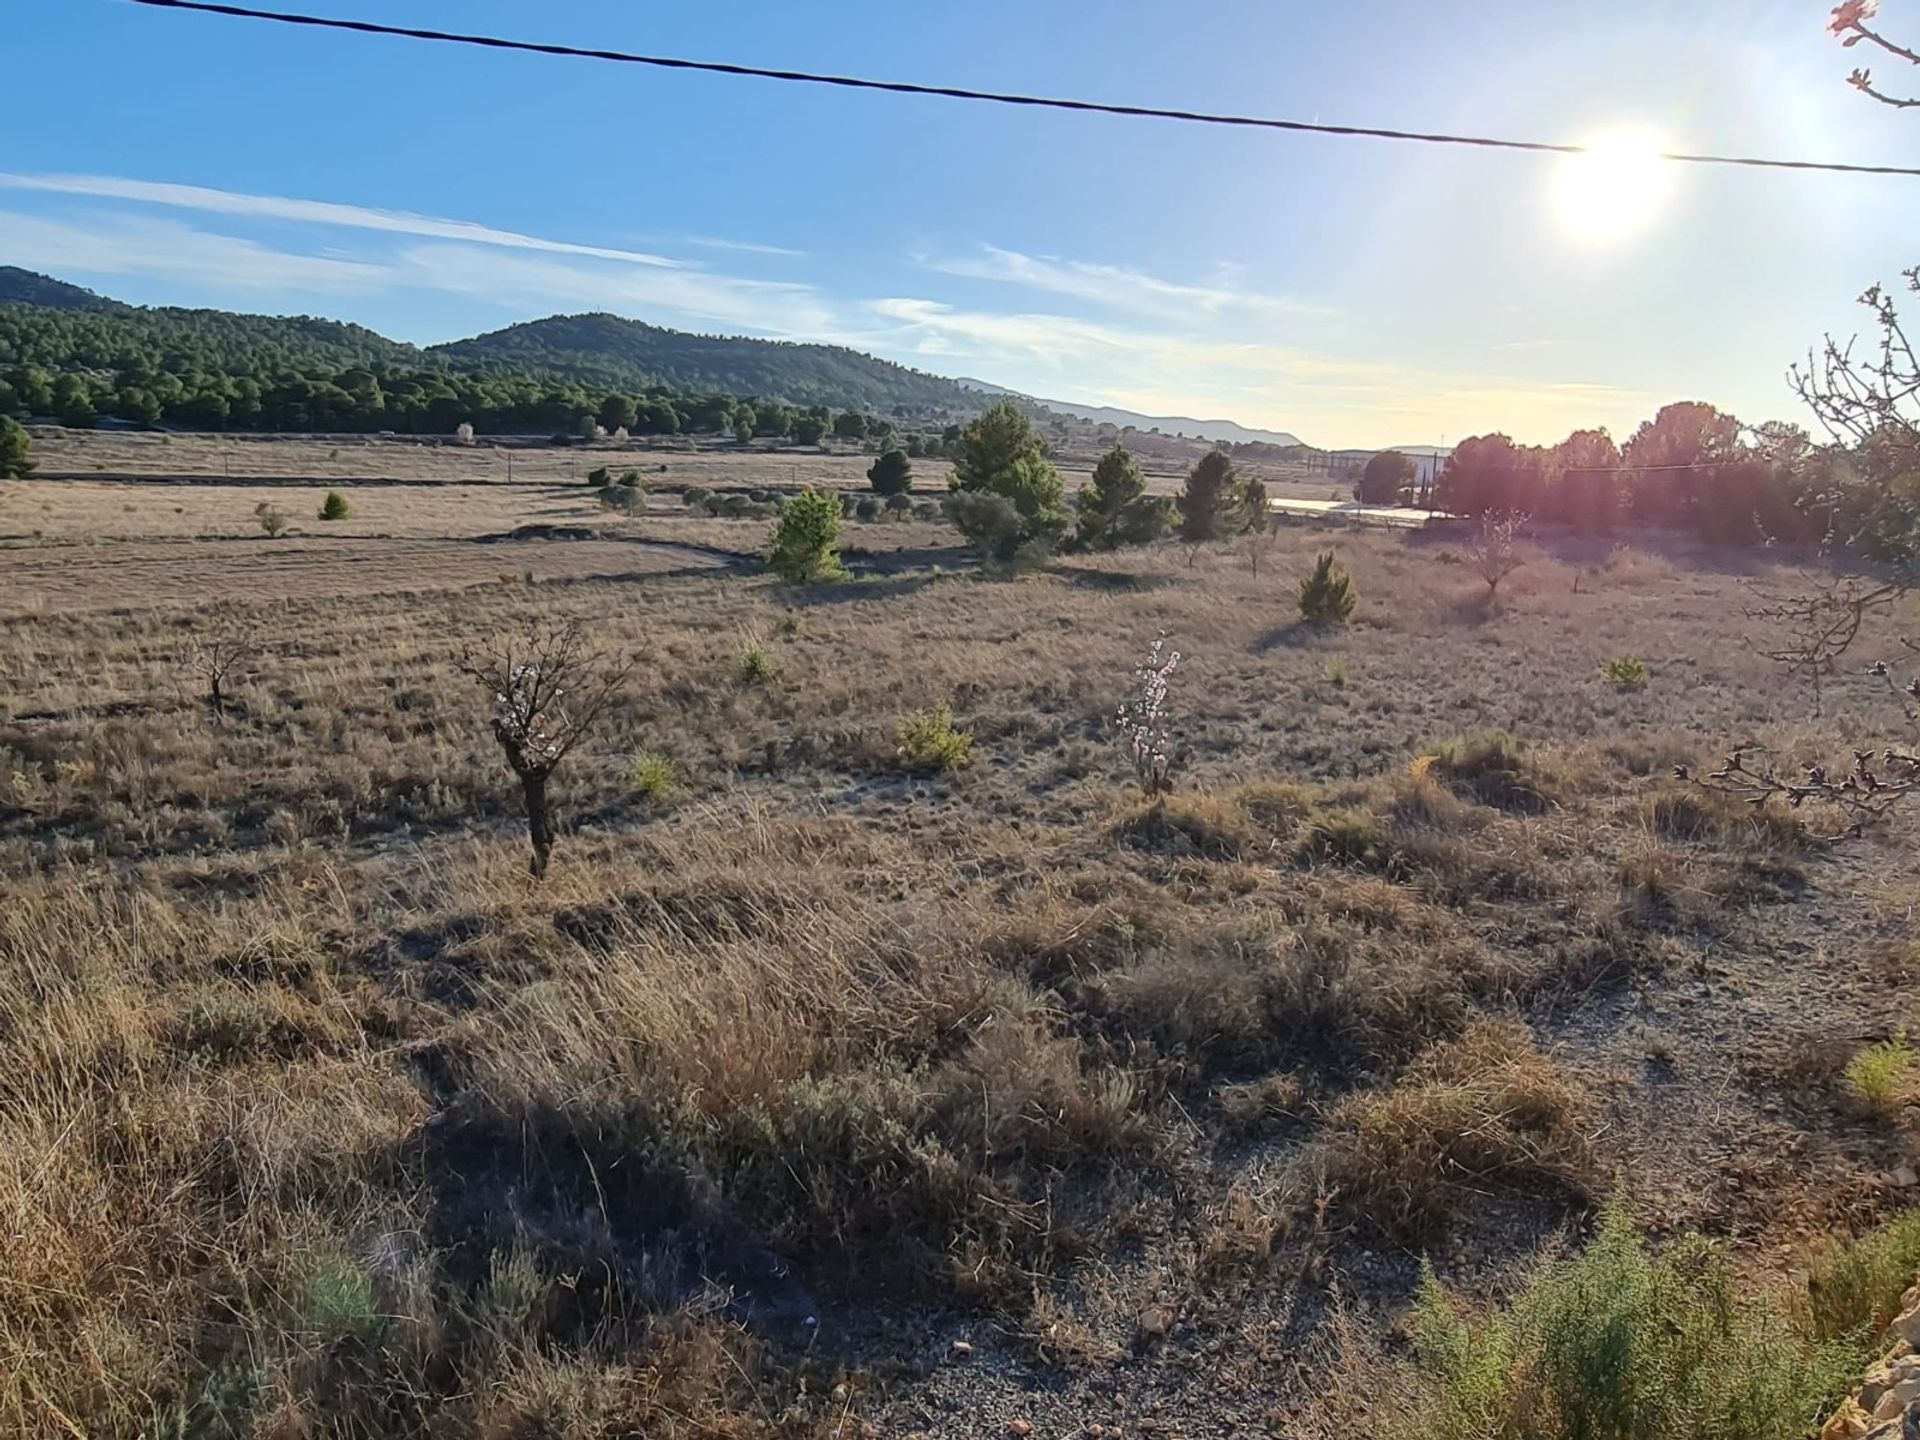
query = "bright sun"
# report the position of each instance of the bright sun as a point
(1614, 189)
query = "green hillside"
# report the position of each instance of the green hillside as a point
(607, 350)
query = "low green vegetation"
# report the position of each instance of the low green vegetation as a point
(1879, 1075)
(930, 742)
(1618, 1343)
(335, 506)
(1626, 672)
(653, 775)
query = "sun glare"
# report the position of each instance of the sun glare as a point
(1614, 189)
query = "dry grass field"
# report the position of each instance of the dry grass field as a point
(816, 1094)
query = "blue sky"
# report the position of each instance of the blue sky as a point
(1351, 291)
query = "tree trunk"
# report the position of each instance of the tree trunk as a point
(533, 785)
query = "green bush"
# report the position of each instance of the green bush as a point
(755, 666)
(1878, 1075)
(1854, 1290)
(630, 478)
(335, 506)
(695, 495)
(599, 476)
(929, 741)
(652, 775)
(1625, 672)
(805, 547)
(1617, 1344)
(868, 508)
(1327, 596)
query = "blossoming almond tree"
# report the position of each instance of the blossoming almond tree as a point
(1849, 22)
(1145, 725)
(549, 690)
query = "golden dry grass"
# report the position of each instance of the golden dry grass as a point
(317, 1116)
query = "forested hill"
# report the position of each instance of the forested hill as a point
(57, 329)
(24, 287)
(607, 350)
(74, 329)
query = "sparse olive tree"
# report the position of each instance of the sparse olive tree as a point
(548, 690)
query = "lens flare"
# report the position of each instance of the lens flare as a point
(1612, 190)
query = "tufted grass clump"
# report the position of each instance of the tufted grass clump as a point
(931, 743)
(755, 665)
(1488, 767)
(1625, 672)
(653, 775)
(1878, 1075)
(1621, 1343)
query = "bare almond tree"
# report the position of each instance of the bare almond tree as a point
(214, 658)
(548, 690)
(1495, 549)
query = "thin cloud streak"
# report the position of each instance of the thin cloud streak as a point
(1116, 287)
(315, 212)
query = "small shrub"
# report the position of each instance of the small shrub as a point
(900, 506)
(930, 742)
(630, 478)
(1617, 1344)
(696, 495)
(1327, 596)
(653, 776)
(1336, 673)
(755, 666)
(1854, 1290)
(271, 521)
(805, 547)
(599, 477)
(1626, 672)
(335, 506)
(867, 508)
(1879, 1074)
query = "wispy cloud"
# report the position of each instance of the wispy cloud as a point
(1116, 287)
(168, 249)
(315, 212)
(764, 307)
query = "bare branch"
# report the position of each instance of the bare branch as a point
(549, 690)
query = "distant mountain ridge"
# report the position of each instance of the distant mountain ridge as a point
(1215, 430)
(603, 349)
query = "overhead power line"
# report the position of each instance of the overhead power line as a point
(995, 97)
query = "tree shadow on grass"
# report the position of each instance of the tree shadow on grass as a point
(1294, 635)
